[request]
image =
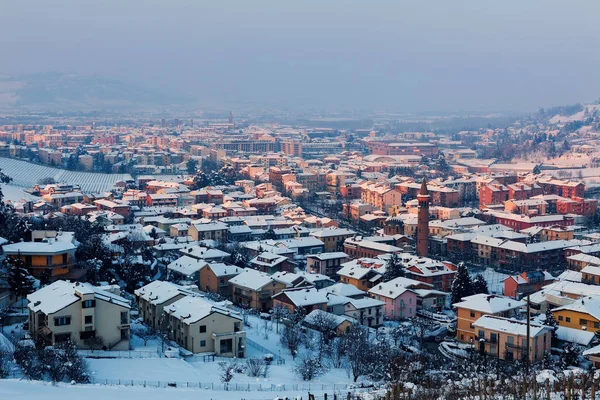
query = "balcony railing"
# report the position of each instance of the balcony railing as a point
(516, 346)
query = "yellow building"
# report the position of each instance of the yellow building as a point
(471, 308)
(80, 312)
(53, 255)
(583, 314)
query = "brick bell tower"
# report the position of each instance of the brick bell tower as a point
(423, 221)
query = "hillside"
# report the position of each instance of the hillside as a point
(57, 92)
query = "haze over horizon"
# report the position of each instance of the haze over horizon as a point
(436, 56)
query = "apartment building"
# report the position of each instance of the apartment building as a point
(154, 297)
(380, 196)
(508, 340)
(80, 313)
(471, 308)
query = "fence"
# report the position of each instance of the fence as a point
(120, 354)
(234, 387)
(279, 360)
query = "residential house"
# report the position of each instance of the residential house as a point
(518, 286)
(215, 230)
(363, 273)
(201, 327)
(318, 318)
(81, 313)
(438, 274)
(333, 239)
(186, 268)
(52, 254)
(214, 278)
(305, 298)
(366, 311)
(326, 263)
(399, 301)
(271, 263)
(255, 289)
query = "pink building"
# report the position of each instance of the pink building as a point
(400, 301)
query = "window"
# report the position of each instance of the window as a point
(568, 319)
(124, 317)
(510, 340)
(202, 328)
(582, 321)
(48, 260)
(481, 334)
(88, 304)
(88, 319)
(203, 343)
(493, 337)
(560, 317)
(62, 321)
(226, 346)
(472, 314)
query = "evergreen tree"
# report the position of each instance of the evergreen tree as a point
(191, 166)
(462, 285)
(480, 285)
(19, 280)
(537, 170)
(393, 268)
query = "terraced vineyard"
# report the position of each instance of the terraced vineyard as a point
(25, 174)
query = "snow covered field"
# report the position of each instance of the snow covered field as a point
(24, 390)
(25, 175)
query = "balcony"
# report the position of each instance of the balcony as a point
(515, 346)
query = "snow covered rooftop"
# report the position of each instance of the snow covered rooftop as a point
(315, 316)
(193, 309)
(344, 289)
(60, 294)
(187, 265)
(49, 247)
(304, 297)
(158, 292)
(509, 325)
(222, 269)
(251, 279)
(489, 304)
(588, 305)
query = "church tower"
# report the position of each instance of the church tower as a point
(423, 221)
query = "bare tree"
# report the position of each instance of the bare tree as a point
(256, 367)
(94, 343)
(144, 332)
(308, 367)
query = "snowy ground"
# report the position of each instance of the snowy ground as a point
(25, 174)
(495, 280)
(24, 390)
(14, 193)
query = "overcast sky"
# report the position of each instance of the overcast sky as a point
(443, 55)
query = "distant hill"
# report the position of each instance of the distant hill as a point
(58, 91)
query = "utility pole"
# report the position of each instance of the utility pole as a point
(528, 334)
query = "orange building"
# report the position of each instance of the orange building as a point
(471, 308)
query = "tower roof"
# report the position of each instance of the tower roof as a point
(423, 190)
